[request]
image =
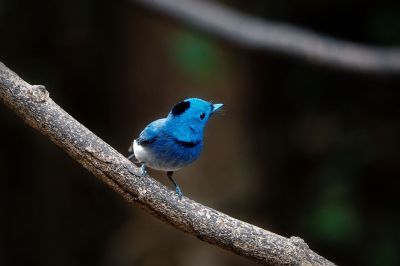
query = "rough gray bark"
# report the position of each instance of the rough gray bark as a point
(256, 33)
(33, 104)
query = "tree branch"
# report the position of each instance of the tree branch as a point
(33, 104)
(280, 38)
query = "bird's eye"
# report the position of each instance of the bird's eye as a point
(202, 116)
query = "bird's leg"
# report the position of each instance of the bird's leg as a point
(143, 169)
(178, 191)
(130, 157)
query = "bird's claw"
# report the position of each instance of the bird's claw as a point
(143, 171)
(178, 192)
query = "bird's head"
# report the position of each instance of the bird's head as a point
(193, 114)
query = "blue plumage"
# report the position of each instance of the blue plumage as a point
(170, 143)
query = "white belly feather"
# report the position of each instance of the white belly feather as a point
(143, 155)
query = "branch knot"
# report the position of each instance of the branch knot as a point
(39, 93)
(297, 241)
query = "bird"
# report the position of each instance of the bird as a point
(171, 143)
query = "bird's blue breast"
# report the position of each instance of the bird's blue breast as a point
(170, 153)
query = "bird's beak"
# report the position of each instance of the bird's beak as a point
(216, 107)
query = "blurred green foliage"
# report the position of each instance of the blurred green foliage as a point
(197, 55)
(334, 222)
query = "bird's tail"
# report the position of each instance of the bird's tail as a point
(131, 154)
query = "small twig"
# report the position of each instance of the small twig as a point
(257, 33)
(35, 107)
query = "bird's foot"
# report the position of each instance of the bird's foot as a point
(178, 192)
(143, 171)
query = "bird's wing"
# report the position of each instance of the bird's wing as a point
(150, 133)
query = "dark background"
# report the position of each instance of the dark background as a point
(299, 149)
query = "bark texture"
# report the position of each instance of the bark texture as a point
(34, 105)
(281, 38)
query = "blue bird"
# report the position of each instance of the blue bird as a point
(173, 142)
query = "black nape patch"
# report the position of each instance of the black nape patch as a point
(180, 108)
